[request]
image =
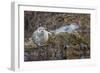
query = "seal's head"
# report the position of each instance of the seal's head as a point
(41, 29)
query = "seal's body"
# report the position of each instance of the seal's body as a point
(40, 36)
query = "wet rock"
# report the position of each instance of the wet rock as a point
(26, 56)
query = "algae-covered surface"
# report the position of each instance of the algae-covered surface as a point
(60, 46)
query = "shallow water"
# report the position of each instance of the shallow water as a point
(67, 28)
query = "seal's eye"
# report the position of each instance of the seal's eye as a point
(40, 29)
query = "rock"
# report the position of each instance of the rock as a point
(29, 44)
(26, 56)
